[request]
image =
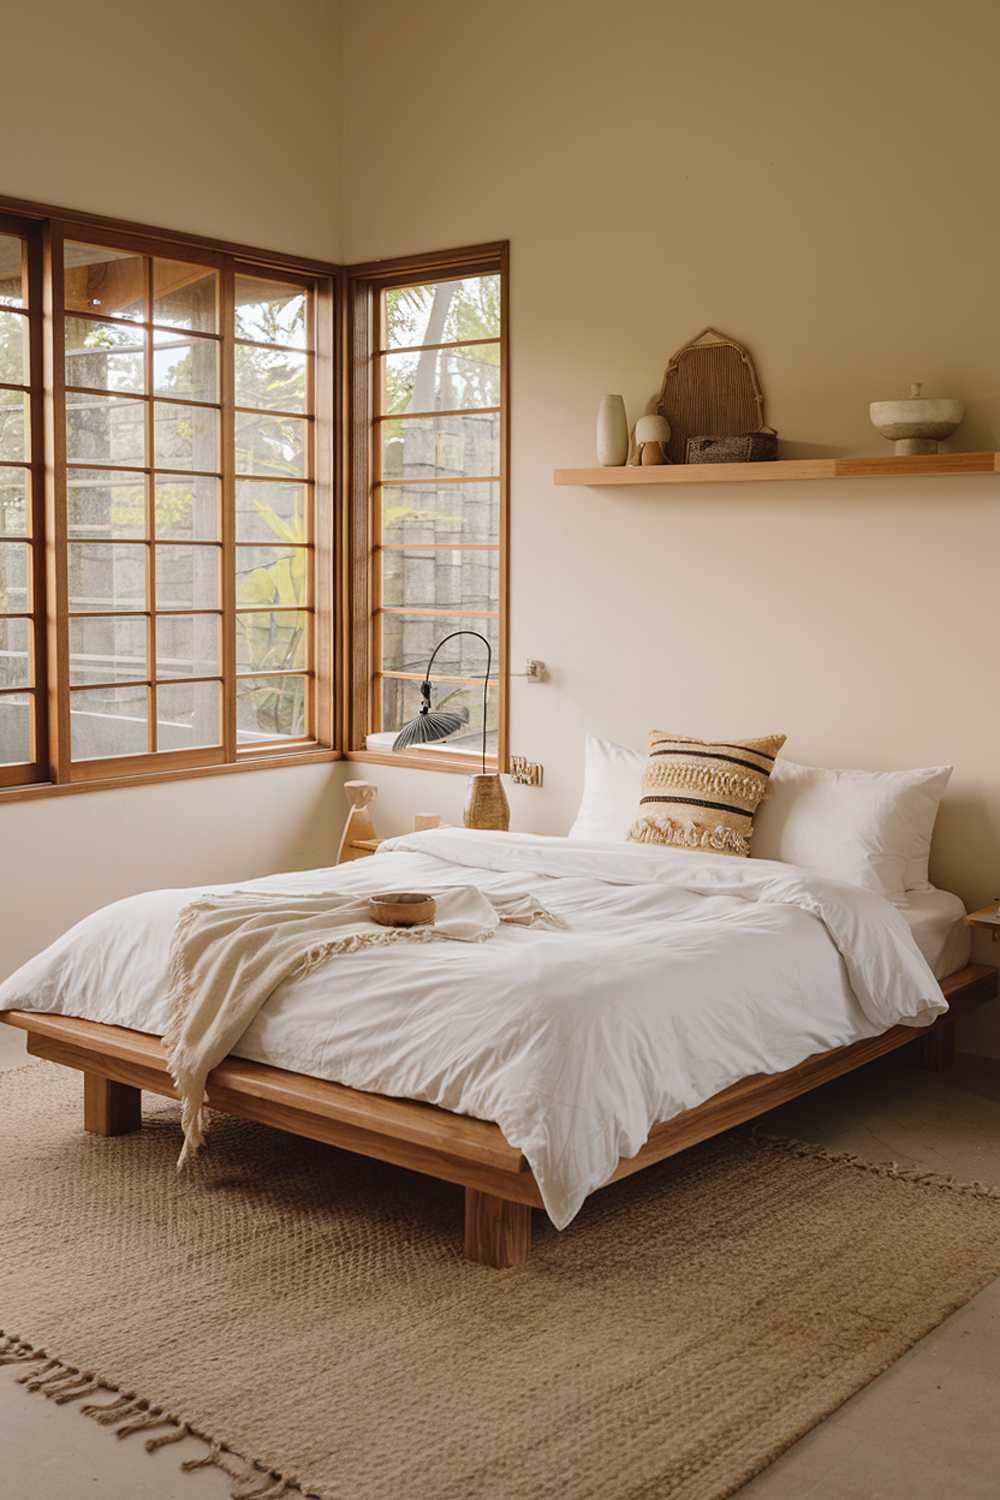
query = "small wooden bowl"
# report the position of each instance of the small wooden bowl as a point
(401, 909)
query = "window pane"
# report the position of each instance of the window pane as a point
(270, 312)
(106, 649)
(187, 577)
(112, 282)
(441, 579)
(13, 348)
(187, 508)
(272, 575)
(185, 368)
(14, 578)
(15, 511)
(270, 446)
(401, 703)
(409, 640)
(14, 435)
(16, 729)
(106, 576)
(441, 447)
(187, 645)
(272, 641)
(15, 653)
(186, 437)
(104, 356)
(105, 503)
(451, 513)
(188, 715)
(271, 512)
(185, 296)
(105, 430)
(272, 378)
(443, 312)
(109, 721)
(270, 708)
(13, 280)
(441, 379)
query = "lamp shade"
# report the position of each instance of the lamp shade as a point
(436, 724)
(429, 725)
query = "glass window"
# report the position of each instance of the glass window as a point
(22, 560)
(439, 486)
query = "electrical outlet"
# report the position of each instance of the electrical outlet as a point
(525, 772)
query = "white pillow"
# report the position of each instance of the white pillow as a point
(612, 778)
(872, 828)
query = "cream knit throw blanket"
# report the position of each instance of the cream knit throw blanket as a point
(231, 952)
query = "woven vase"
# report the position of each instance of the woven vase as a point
(486, 804)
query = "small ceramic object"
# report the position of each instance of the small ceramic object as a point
(651, 437)
(402, 909)
(919, 424)
(612, 432)
(486, 804)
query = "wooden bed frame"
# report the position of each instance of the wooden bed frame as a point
(500, 1190)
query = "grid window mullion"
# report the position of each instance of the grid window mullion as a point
(438, 419)
(22, 565)
(150, 482)
(148, 575)
(273, 558)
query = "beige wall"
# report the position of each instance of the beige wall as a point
(814, 180)
(211, 116)
(207, 117)
(66, 856)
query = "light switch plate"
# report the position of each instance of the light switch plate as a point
(525, 772)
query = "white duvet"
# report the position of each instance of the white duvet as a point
(677, 974)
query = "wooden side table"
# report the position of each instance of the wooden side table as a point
(359, 839)
(987, 918)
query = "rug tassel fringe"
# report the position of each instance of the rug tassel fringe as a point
(129, 1413)
(153, 1418)
(75, 1393)
(153, 1445)
(928, 1178)
(117, 1406)
(36, 1378)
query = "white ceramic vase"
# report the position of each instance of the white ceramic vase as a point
(612, 432)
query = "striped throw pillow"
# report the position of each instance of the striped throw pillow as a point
(697, 795)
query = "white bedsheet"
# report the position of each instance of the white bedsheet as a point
(936, 919)
(678, 973)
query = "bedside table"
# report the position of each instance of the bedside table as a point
(987, 917)
(359, 839)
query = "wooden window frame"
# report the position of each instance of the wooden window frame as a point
(34, 772)
(364, 286)
(47, 228)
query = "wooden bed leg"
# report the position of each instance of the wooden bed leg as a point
(497, 1232)
(110, 1108)
(937, 1048)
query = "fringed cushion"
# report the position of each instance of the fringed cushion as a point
(697, 795)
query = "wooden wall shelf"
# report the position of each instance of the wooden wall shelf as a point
(923, 465)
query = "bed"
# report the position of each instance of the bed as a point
(685, 993)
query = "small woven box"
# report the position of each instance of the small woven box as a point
(740, 448)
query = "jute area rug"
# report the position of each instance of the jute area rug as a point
(309, 1313)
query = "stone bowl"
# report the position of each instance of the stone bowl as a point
(918, 424)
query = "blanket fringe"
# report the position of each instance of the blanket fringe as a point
(926, 1177)
(128, 1413)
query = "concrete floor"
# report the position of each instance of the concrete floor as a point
(925, 1430)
